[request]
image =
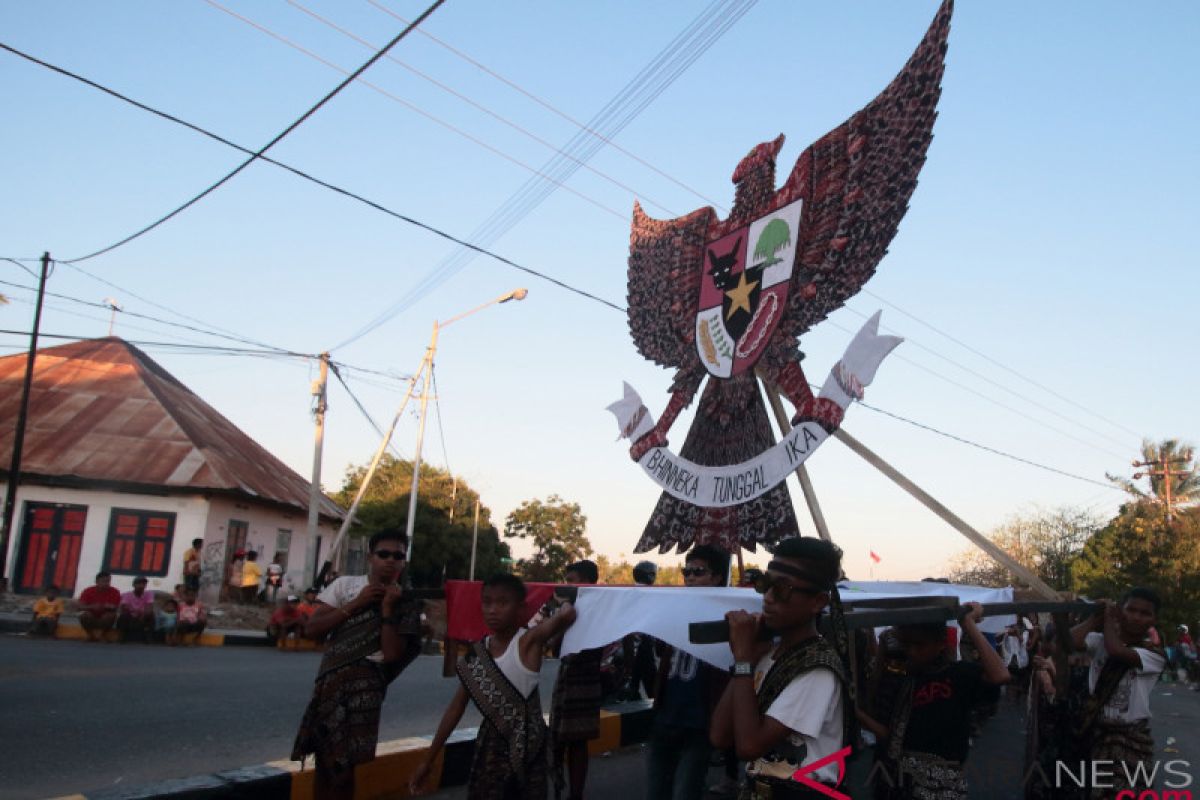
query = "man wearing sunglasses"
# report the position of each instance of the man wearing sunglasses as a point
(685, 693)
(787, 704)
(374, 632)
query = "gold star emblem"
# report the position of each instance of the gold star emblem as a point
(740, 296)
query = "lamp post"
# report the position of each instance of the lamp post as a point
(427, 370)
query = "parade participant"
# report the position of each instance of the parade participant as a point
(788, 703)
(500, 675)
(575, 704)
(927, 733)
(374, 633)
(1114, 725)
(640, 666)
(686, 692)
(46, 612)
(98, 607)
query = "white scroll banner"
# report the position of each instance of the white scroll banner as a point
(733, 484)
(608, 613)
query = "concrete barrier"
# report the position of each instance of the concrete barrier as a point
(385, 777)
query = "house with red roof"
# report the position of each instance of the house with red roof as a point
(124, 466)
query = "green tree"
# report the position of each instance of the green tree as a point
(1185, 487)
(1139, 548)
(557, 529)
(1046, 541)
(443, 539)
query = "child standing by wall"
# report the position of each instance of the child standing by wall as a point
(500, 675)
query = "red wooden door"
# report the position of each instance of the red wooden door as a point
(51, 539)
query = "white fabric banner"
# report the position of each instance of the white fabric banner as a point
(609, 613)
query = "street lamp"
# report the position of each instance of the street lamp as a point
(427, 366)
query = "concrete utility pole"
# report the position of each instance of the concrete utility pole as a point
(314, 494)
(1165, 472)
(14, 469)
(427, 367)
(474, 538)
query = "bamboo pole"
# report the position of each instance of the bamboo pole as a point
(806, 487)
(956, 522)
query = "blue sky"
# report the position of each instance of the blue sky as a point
(1049, 231)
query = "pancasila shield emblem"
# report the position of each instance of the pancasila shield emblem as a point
(743, 290)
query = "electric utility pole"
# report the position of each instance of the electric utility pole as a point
(14, 469)
(314, 494)
(1165, 472)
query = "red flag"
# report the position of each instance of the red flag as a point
(874, 557)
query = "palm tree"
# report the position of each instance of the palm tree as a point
(1181, 486)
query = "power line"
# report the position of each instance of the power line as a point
(999, 364)
(363, 410)
(996, 384)
(623, 108)
(274, 141)
(552, 109)
(986, 448)
(306, 176)
(415, 108)
(437, 407)
(476, 105)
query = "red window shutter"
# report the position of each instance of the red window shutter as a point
(73, 521)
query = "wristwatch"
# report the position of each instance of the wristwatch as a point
(742, 669)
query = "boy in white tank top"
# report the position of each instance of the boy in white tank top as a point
(500, 675)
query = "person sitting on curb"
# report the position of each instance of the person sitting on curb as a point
(46, 612)
(192, 617)
(287, 622)
(135, 613)
(98, 607)
(166, 622)
(309, 603)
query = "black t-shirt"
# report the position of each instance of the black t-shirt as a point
(940, 721)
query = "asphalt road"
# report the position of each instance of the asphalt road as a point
(76, 717)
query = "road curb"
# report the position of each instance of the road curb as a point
(385, 777)
(69, 629)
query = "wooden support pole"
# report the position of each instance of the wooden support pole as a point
(806, 487)
(981, 541)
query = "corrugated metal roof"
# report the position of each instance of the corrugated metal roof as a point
(102, 410)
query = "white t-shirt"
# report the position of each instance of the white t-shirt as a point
(1131, 701)
(342, 592)
(811, 706)
(1014, 647)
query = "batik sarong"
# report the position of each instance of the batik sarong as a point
(1129, 747)
(341, 724)
(915, 775)
(575, 705)
(510, 762)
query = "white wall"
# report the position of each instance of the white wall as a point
(191, 514)
(263, 526)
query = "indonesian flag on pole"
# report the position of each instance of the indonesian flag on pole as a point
(874, 557)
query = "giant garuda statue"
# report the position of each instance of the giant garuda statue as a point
(724, 299)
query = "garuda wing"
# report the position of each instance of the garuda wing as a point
(665, 259)
(856, 182)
